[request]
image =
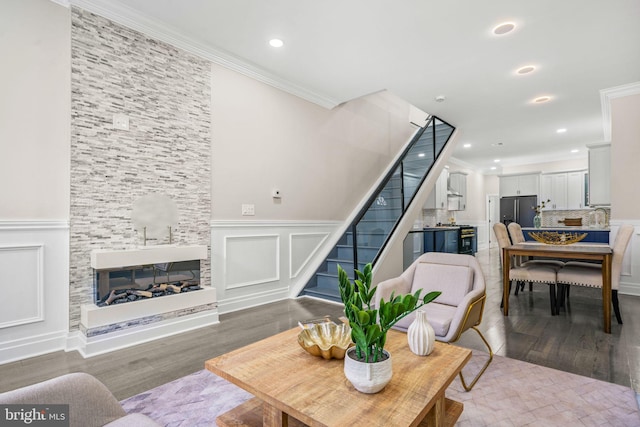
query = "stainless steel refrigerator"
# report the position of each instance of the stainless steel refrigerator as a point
(519, 209)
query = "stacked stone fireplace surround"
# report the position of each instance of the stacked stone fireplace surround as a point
(165, 92)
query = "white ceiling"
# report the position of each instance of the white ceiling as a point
(337, 50)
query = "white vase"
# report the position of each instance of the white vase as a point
(420, 335)
(367, 377)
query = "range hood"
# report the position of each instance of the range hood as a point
(452, 193)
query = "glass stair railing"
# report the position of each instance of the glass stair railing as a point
(368, 234)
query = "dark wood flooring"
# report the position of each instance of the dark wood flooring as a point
(571, 342)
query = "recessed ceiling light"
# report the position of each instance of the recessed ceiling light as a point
(542, 99)
(467, 145)
(276, 42)
(561, 130)
(496, 161)
(421, 155)
(575, 150)
(493, 168)
(526, 69)
(504, 28)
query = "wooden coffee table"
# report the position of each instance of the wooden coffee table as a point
(292, 387)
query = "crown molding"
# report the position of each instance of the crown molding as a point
(606, 95)
(133, 19)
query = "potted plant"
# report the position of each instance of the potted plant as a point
(368, 365)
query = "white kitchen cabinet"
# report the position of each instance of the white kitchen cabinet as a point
(599, 174)
(553, 187)
(458, 184)
(438, 197)
(576, 190)
(565, 190)
(520, 185)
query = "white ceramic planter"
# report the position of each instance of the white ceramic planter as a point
(367, 377)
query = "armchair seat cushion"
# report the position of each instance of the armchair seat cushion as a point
(439, 316)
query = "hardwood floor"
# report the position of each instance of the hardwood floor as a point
(571, 342)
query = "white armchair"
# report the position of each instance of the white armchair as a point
(458, 308)
(91, 404)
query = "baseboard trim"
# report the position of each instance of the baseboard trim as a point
(13, 351)
(254, 300)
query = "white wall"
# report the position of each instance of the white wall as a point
(625, 176)
(264, 138)
(34, 177)
(34, 110)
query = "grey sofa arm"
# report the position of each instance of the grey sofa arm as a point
(91, 404)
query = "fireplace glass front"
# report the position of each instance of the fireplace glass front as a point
(133, 283)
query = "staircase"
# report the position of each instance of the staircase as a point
(368, 234)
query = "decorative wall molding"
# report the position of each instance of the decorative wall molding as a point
(39, 252)
(299, 266)
(22, 271)
(251, 260)
(606, 95)
(239, 289)
(272, 223)
(34, 225)
(133, 19)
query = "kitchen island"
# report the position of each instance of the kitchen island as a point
(594, 235)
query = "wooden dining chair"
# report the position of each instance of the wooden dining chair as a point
(527, 273)
(587, 274)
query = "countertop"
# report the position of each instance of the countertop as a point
(564, 228)
(442, 227)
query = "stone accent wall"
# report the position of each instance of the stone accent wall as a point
(166, 94)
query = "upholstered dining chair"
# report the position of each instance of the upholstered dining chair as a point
(517, 236)
(587, 274)
(533, 273)
(459, 307)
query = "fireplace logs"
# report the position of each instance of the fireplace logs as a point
(120, 296)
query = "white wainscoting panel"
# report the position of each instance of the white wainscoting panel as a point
(251, 260)
(303, 248)
(247, 258)
(21, 285)
(34, 279)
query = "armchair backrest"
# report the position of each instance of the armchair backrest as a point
(454, 281)
(455, 275)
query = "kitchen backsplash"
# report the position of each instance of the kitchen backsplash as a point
(431, 217)
(551, 218)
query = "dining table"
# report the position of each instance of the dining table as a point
(600, 252)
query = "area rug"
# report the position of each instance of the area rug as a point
(510, 393)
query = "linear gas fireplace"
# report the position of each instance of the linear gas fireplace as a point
(141, 282)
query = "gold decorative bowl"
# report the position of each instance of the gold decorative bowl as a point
(327, 340)
(555, 238)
